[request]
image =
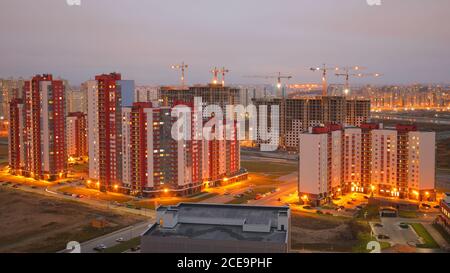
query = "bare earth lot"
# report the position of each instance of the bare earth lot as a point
(34, 223)
(311, 232)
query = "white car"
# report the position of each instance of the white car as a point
(100, 247)
(120, 240)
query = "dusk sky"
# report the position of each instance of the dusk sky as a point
(408, 41)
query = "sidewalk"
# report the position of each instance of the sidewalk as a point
(437, 236)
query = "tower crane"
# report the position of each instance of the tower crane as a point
(183, 68)
(224, 71)
(215, 73)
(324, 70)
(347, 76)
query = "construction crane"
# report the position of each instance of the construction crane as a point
(279, 78)
(324, 70)
(215, 73)
(347, 76)
(224, 71)
(183, 68)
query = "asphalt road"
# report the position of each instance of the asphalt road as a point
(109, 240)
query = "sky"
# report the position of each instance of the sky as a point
(408, 41)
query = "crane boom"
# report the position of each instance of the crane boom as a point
(183, 67)
(324, 70)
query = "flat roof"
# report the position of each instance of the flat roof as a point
(222, 222)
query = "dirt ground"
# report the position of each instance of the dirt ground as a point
(325, 233)
(34, 223)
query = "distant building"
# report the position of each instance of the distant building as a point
(146, 94)
(39, 130)
(77, 134)
(394, 162)
(16, 145)
(10, 89)
(217, 228)
(77, 99)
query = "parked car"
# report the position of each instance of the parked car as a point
(425, 205)
(120, 240)
(437, 207)
(307, 207)
(383, 237)
(378, 225)
(226, 193)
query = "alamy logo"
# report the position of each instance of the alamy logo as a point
(73, 2)
(373, 2)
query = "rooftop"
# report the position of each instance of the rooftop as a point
(222, 222)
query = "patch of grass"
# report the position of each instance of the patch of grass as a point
(425, 235)
(59, 241)
(124, 246)
(407, 214)
(315, 222)
(361, 230)
(369, 212)
(269, 167)
(442, 231)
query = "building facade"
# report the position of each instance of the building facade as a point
(39, 128)
(154, 162)
(107, 94)
(298, 114)
(77, 134)
(367, 159)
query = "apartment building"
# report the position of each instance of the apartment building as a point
(393, 162)
(16, 145)
(107, 94)
(37, 136)
(77, 134)
(153, 161)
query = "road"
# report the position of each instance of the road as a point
(109, 240)
(287, 187)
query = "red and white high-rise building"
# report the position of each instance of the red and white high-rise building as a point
(39, 129)
(107, 94)
(77, 134)
(154, 162)
(16, 131)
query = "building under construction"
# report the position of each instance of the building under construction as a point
(298, 114)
